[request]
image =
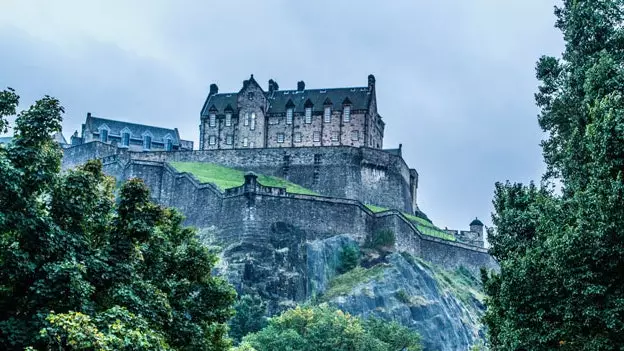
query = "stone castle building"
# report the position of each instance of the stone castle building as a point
(130, 136)
(254, 118)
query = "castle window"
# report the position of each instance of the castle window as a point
(147, 142)
(308, 115)
(252, 125)
(228, 119)
(246, 122)
(297, 137)
(274, 120)
(317, 159)
(213, 120)
(289, 116)
(280, 137)
(355, 135)
(250, 95)
(346, 114)
(251, 144)
(327, 114)
(316, 136)
(103, 135)
(229, 139)
(335, 136)
(245, 142)
(125, 139)
(168, 145)
(212, 140)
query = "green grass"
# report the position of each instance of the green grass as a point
(422, 224)
(225, 178)
(345, 283)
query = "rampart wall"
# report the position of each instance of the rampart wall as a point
(250, 213)
(371, 176)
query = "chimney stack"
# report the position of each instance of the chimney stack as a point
(371, 82)
(273, 86)
(300, 85)
(214, 89)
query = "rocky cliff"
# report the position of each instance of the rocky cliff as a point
(444, 306)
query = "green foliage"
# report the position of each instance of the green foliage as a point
(425, 226)
(225, 178)
(402, 296)
(349, 258)
(82, 272)
(344, 283)
(250, 316)
(322, 328)
(562, 254)
(381, 239)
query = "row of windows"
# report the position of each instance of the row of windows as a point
(125, 140)
(297, 138)
(250, 119)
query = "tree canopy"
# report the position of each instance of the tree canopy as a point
(561, 283)
(86, 267)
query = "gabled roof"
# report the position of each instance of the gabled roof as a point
(357, 97)
(136, 130)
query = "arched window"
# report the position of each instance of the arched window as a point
(253, 121)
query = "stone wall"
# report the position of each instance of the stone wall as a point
(369, 175)
(250, 214)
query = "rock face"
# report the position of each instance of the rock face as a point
(444, 307)
(286, 269)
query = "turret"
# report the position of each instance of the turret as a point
(477, 226)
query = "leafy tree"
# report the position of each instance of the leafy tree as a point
(322, 328)
(80, 271)
(250, 316)
(561, 284)
(349, 258)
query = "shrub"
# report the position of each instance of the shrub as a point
(402, 296)
(349, 258)
(381, 238)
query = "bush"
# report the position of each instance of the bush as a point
(349, 258)
(402, 296)
(381, 238)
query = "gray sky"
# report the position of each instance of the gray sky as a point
(455, 78)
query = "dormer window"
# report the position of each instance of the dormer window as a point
(308, 115)
(147, 142)
(125, 139)
(228, 119)
(327, 114)
(346, 113)
(289, 116)
(168, 145)
(212, 120)
(104, 135)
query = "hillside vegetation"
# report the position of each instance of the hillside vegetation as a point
(423, 225)
(225, 177)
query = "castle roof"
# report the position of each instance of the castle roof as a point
(357, 97)
(136, 130)
(476, 221)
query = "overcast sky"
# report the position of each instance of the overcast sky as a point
(455, 78)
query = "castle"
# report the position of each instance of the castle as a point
(253, 118)
(326, 141)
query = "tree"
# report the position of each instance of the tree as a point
(250, 316)
(80, 271)
(562, 253)
(322, 328)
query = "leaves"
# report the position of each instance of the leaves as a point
(82, 272)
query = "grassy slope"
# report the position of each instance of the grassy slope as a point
(423, 225)
(225, 178)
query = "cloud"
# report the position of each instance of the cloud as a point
(455, 79)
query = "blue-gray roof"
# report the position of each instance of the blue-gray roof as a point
(136, 130)
(357, 97)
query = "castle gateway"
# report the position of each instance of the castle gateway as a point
(254, 118)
